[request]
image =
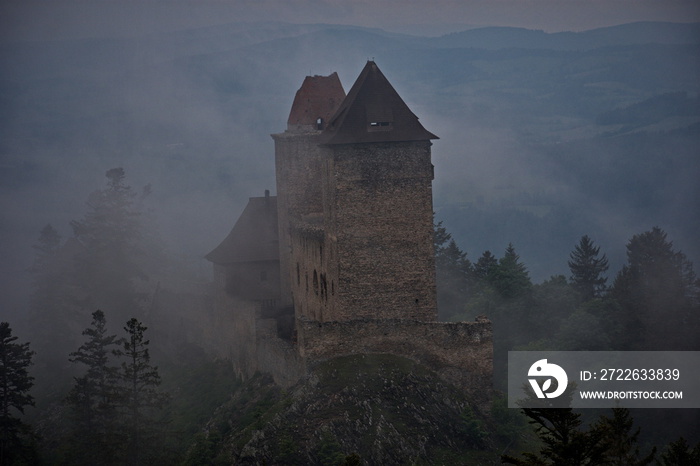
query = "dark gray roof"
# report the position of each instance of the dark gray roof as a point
(253, 238)
(374, 112)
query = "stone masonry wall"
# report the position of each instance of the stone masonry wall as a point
(378, 217)
(278, 357)
(298, 171)
(461, 352)
(312, 290)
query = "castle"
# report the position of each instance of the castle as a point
(341, 261)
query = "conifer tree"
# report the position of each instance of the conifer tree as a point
(486, 266)
(564, 442)
(453, 273)
(95, 396)
(587, 269)
(511, 277)
(110, 234)
(659, 295)
(620, 441)
(680, 453)
(142, 400)
(15, 383)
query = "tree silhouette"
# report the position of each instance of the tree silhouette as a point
(94, 397)
(659, 295)
(679, 453)
(110, 234)
(620, 441)
(511, 278)
(454, 273)
(587, 269)
(141, 398)
(15, 383)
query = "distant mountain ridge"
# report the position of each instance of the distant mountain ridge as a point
(626, 34)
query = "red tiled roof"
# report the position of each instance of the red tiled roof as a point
(318, 97)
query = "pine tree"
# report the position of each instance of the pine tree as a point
(587, 269)
(141, 398)
(110, 234)
(511, 278)
(454, 273)
(679, 453)
(95, 396)
(564, 442)
(659, 294)
(620, 441)
(486, 266)
(15, 383)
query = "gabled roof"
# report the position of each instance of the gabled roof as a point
(318, 97)
(374, 112)
(253, 238)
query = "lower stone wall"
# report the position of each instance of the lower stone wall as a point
(278, 357)
(461, 352)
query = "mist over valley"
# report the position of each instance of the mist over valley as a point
(543, 137)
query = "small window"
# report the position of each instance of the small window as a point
(319, 123)
(379, 118)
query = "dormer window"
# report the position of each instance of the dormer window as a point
(379, 118)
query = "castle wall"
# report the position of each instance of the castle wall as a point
(298, 171)
(461, 352)
(258, 280)
(378, 215)
(313, 291)
(278, 357)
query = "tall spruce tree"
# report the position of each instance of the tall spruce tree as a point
(680, 453)
(15, 383)
(511, 277)
(486, 266)
(587, 269)
(454, 274)
(110, 233)
(94, 398)
(564, 442)
(659, 295)
(620, 440)
(142, 400)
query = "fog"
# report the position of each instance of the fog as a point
(184, 99)
(556, 119)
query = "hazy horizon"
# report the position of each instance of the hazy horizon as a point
(71, 19)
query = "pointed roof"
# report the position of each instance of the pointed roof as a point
(318, 97)
(253, 237)
(374, 112)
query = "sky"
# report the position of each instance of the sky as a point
(68, 19)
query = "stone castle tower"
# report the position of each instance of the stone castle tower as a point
(354, 188)
(341, 261)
